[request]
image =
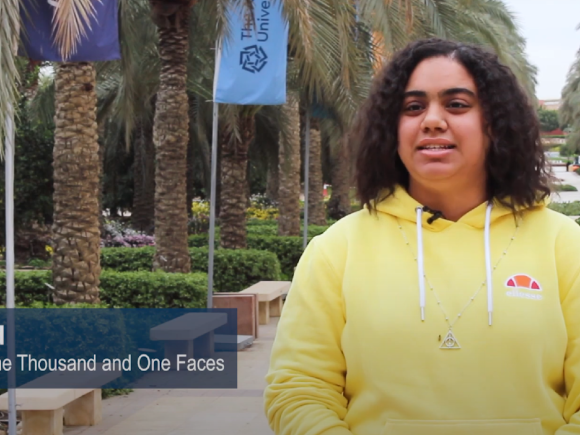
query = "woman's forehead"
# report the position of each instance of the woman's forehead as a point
(437, 74)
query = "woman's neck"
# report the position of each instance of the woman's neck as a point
(453, 203)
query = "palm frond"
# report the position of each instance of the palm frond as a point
(9, 76)
(71, 20)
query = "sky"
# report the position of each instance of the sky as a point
(549, 27)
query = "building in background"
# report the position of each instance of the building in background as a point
(549, 104)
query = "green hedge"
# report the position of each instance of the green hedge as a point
(270, 228)
(567, 208)
(234, 269)
(153, 289)
(288, 249)
(120, 289)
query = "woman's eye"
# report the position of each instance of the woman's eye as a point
(458, 105)
(413, 107)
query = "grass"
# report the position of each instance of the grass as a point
(565, 188)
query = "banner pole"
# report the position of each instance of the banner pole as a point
(9, 198)
(306, 175)
(212, 202)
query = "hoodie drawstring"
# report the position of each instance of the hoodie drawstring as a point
(421, 265)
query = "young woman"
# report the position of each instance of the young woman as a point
(450, 305)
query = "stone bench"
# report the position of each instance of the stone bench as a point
(270, 294)
(45, 411)
(192, 332)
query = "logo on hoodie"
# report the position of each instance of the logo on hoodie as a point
(523, 286)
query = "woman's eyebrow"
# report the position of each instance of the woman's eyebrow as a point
(443, 93)
(454, 91)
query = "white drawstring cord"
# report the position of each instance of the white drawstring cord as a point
(421, 268)
(419, 211)
(488, 281)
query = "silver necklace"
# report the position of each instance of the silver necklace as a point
(450, 341)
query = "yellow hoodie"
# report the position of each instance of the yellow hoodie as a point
(352, 354)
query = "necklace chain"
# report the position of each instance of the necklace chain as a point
(474, 295)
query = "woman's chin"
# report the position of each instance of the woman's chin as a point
(437, 171)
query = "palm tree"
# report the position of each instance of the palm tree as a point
(235, 140)
(76, 264)
(570, 108)
(289, 170)
(76, 235)
(339, 203)
(316, 206)
(171, 135)
(76, 232)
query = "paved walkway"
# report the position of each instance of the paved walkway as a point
(571, 178)
(199, 412)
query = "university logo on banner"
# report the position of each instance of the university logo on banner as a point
(251, 63)
(101, 42)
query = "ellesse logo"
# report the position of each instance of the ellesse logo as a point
(523, 286)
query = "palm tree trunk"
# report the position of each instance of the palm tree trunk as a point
(316, 206)
(143, 213)
(76, 235)
(289, 170)
(273, 177)
(234, 193)
(339, 203)
(170, 135)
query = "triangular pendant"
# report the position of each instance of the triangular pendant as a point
(450, 342)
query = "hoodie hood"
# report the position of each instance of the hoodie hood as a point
(403, 206)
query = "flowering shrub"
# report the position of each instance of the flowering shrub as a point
(117, 235)
(199, 222)
(262, 208)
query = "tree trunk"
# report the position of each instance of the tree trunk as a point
(170, 135)
(233, 195)
(339, 203)
(316, 206)
(273, 177)
(76, 236)
(143, 213)
(289, 171)
(190, 177)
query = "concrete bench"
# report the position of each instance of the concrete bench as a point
(270, 295)
(188, 333)
(45, 411)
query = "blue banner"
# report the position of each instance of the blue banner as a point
(101, 42)
(251, 64)
(136, 348)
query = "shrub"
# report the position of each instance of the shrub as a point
(262, 208)
(566, 208)
(120, 289)
(565, 188)
(29, 287)
(237, 269)
(127, 259)
(288, 249)
(153, 289)
(201, 241)
(234, 269)
(118, 234)
(199, 222)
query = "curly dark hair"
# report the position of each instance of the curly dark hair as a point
(516, 171)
